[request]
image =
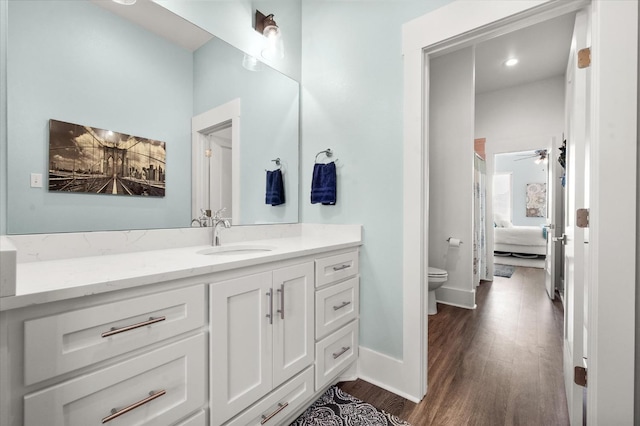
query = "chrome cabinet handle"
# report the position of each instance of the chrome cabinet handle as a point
(281, 310)
(341, 267)
(115, 330)
(342, 305)
(342, 351)
(281, 407)
(117, 413)
(270, 314)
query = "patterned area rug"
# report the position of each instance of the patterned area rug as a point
(503, 270)
(338, 408)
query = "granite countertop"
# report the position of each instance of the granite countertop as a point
(53, 280)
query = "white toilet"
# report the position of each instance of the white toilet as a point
(437, 277)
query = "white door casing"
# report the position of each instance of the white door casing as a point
(614, 88)
(554, 216)
(201, 127)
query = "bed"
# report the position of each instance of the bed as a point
(520, 240)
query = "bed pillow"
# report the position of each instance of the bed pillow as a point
(502, 222)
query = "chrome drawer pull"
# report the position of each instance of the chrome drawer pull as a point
(281, 310)
(342, 305)
(281, 407)
(117, 413)
(341, 267)
(270, 314)
(344, 349)
(115, 330)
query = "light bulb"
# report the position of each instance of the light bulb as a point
(511, 62)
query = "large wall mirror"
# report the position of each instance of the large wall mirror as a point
(77, 62)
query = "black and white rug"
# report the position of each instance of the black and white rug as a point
(503, 270)
(338, 408)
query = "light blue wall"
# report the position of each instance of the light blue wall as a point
(269, 103)
(4, 7)
(352, 103)
(74, 62)
(523, 172)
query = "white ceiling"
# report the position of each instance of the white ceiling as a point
(542, 51)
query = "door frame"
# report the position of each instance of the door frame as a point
(614, 90)
(201, 126)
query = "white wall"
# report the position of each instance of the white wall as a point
(519, 118)
(520, 112)
(451, 106)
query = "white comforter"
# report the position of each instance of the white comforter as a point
(519, 235)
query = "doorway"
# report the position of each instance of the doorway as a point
(615, 87)
(215, 151)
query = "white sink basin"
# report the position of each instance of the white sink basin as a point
(235, 250)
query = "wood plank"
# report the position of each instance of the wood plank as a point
(500, 364)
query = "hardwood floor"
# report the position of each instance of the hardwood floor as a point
(500, 364)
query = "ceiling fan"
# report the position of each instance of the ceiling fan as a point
(540, 156)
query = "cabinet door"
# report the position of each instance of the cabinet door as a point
(240, 344)
(293, 323)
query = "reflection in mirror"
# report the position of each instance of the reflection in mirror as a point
(74, 61)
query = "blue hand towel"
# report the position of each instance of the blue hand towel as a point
(323, 184)
(275, 188)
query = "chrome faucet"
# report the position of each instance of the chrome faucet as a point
(216, 220)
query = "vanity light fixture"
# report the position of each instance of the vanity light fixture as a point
(511, 62)
(251, 63)
(266, 25)
(125, 2)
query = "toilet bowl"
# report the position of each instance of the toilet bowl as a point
(437, 277)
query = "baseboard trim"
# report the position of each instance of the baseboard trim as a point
(456, 297)
(383, 371)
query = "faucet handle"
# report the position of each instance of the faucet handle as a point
(217, 213)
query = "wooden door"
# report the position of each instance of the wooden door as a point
(293, 321)
(240, 344)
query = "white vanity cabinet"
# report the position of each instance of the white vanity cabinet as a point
(234, 341)
(337, 309)
(262, 334)
(116, 358)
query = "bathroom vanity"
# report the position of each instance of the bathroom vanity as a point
(251, 333)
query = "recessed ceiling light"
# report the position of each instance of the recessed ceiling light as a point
(511, 62)
(125, 2)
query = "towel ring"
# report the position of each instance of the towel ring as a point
(278, 163)
(326, 152)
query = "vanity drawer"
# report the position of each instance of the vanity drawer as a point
(336, 306)
(335, 353)
(335, 268)
(178, 370)
(199, 419)
(65, 342)
(279, 404)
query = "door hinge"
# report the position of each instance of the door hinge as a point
(584, 57)
(580, 376)
(582, 218)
